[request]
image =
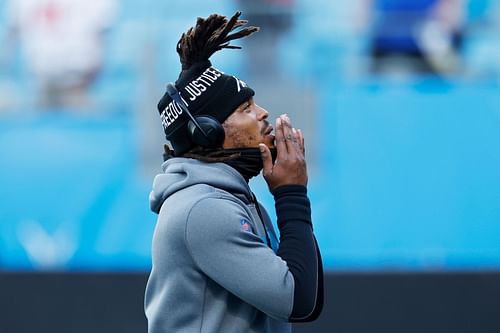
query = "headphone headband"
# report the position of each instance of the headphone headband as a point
(205, 131)
(176, 97)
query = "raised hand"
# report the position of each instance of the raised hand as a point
(290, 165)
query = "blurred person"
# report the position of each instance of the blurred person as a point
(62, 43)
(276, 18)
(218, 265)
(427, 32)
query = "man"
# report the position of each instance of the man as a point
(217, 263)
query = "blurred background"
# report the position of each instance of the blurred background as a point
(399, 101)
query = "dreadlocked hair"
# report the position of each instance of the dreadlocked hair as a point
(210, 155)
(209, 36)
(202, 154)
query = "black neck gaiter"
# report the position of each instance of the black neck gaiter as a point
(247, 161)
(249, 164)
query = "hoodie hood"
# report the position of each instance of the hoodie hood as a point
(179, 173)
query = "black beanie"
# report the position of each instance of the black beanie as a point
(206, 91)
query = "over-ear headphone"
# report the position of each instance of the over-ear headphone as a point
(203, 130)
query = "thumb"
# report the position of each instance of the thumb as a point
(267, 160)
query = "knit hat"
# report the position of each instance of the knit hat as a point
(205, 89)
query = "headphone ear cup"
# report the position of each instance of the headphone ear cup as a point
(214, 132)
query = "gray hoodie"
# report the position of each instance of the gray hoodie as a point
(212, 269)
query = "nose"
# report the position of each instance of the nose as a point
(262, 113)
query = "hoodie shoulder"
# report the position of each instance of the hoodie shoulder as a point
(184, 199)
(181, 174)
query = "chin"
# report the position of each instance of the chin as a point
(269, 141)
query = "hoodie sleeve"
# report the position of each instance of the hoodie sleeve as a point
(221, 241)
(299, 249)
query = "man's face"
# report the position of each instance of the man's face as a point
(247, 126)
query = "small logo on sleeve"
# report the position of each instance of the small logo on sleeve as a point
(245, 225)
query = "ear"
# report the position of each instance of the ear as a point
(228, 137)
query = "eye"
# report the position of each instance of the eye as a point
(245, 107)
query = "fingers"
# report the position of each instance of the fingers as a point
(288, 134)
(301, 142)
(296, 139)
(279, 139)
(295, 142)
(288, 140)
(267, 160)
